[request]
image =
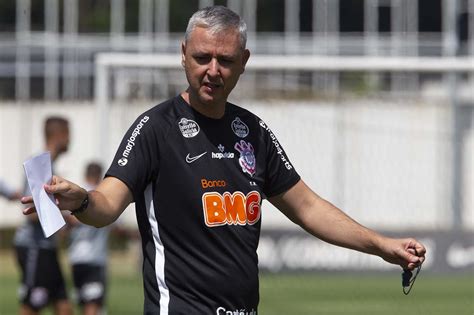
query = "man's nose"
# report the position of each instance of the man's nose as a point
(213, 70)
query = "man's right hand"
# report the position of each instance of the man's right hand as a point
(68, 196)
(106, 202)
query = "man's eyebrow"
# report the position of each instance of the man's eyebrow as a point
(219, 56)
(227, 56)
(200, 53)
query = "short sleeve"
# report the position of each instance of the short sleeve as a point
(137, 159)
(280, 174)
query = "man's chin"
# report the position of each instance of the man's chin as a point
(207, 99)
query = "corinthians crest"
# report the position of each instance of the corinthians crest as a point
(247, 157)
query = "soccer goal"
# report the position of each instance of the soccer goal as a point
(369, 133)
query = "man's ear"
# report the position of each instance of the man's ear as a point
(183, 53)
(245, 58)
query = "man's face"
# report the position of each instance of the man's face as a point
(213, 64)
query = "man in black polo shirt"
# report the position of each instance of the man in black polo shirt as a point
(198, 168)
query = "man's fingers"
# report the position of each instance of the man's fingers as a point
(414, 255)
(29, 210)
(57, 188)
(26, 200)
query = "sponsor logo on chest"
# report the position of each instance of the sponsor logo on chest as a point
(223, 311)
(240, 128)
(222, 154)
(231, 208)
(189, 128)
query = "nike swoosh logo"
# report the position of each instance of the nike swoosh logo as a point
(190, 159)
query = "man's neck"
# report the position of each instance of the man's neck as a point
(215, 111)
(52, 149)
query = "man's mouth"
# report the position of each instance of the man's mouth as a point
(211, 86)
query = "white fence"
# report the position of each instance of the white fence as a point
(387, 164)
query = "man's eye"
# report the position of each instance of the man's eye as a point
(201, 58)
(226, 61)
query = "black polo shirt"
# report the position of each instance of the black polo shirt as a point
(198, 184)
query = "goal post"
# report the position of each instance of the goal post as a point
(105, 62)
(368, 137)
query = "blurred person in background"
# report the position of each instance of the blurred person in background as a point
(8, 192)
(88, 254)
(197, 168)
(42, 281)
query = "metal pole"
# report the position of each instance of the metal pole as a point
(450, 47)
(326, 28)
(371, 37)
(51, 71)
(411, 13)
(162, 15)
(22, 66)
(292, 28)
(145, 43)
(318, 25)
(101, 91)
(396, 42)
(471, 26)
(292, 25)
(250, 17)
(371, 20)
(470, 44)
(162, 12)
(145, 24)
(70, 73)
(235, 5)
(117, 23)
(205, 3)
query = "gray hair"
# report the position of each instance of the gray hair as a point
(217, 19)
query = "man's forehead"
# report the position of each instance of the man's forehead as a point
(210, 36)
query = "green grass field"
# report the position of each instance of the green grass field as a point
(294, 294)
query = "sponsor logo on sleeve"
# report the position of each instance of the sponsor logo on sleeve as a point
(189, 128)
(279, 149)
(123, 161)
(247, 157)
(131, 141)
(240, 128)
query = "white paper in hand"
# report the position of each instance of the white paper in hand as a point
(38, 173)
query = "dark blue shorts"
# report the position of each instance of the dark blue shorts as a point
(90, 283)
(42, 281)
